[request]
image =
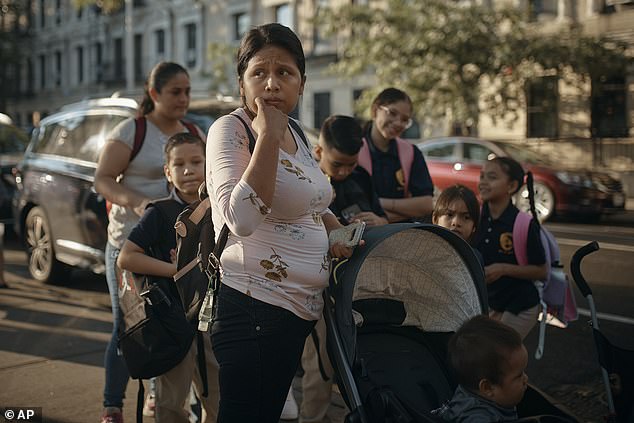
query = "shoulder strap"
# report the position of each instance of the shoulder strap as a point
(249, 133)
(169, 208)
(140, 128)
(406, 157)
(365, 160)
(191, 128)
(520, 237)
(222, 241)
(140, 399)
(300, 131)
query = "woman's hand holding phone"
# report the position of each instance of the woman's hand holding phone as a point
(343, 240)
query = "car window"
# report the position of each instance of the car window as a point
(47, 139)
(442, 151)
(91, 135)
(80, 137)
(477, 152)
(60, 138)
(12, 139)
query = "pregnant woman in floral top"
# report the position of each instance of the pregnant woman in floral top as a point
(275, 203)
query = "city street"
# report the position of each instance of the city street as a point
(52, 337)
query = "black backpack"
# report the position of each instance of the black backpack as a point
(155, 334)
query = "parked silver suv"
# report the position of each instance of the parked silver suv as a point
(59, 215)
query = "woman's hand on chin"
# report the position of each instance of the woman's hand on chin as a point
(269, 121)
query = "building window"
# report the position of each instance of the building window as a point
(42, 61)
(58, 68)
(99, 71)
(608, 110)
(159, 38)
(321, 44)
(241, 24)
(284, 15)
(118, 59)
(190, 48)
(58, 12)
(98, 62)
(30, 77)
(138, 58)
(322, 108)
(542, 119)
(14, 78)
(42, 13)
(80, 64)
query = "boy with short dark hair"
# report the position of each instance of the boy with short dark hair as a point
(150, 250)
(355, 199)
(338, 152)
(489, 360)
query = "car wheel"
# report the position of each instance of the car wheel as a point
(544, 201)
(43, 265)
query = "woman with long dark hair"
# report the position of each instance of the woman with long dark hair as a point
(129, 182)
(274, 200)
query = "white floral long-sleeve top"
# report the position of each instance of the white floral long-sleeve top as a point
(279, 256)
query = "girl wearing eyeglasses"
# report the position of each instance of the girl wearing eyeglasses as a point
(398, 169)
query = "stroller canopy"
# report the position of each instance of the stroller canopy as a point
(416, 275)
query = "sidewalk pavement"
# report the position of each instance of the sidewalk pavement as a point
(52, 343)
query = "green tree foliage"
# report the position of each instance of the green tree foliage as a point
(458, 60)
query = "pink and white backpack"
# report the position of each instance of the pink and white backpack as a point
(555, 293)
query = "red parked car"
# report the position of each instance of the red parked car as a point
(458, 160)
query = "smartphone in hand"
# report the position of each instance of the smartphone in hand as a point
(350, 235)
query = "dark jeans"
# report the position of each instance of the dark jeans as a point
(258, 347)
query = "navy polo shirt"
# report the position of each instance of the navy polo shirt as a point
(388, 176)
(494, 240)
(154, 232)
(356, 189)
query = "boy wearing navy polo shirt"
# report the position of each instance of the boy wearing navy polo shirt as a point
(337, 153)
(150, 250)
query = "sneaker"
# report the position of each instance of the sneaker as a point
(149, 405)
(112, 415)
(290, 410)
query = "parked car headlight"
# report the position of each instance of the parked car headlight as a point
(574, 178)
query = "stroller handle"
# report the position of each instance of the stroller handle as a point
(575, 266)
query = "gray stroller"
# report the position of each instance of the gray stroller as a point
(390, 311)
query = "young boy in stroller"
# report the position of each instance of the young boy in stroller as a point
(390, 312)
(489, 361)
